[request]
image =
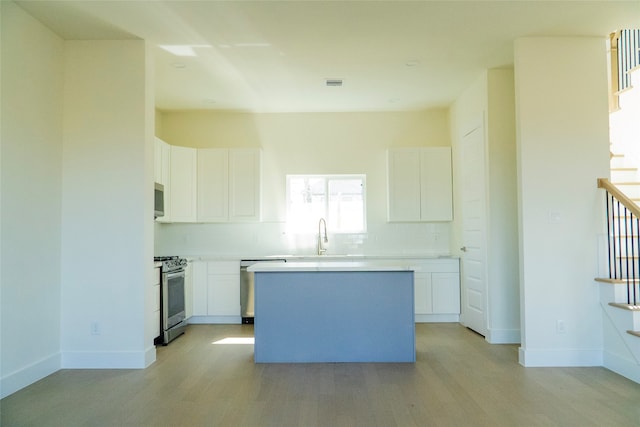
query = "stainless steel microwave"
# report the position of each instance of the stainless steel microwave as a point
(159, 200)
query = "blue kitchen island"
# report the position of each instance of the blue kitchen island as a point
(308, 312)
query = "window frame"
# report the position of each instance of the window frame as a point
(327, 178)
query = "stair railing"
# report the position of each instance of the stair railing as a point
(624, 48)
(623, 229)
(628, 55)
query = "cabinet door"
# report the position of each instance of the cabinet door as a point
(244, 184)
(422, 293)
(199, 288)
(223, 295)
(183, 184)
(403, 185)
(156, 302)
(223, 288)
(156, 290)
(446, 293)
(213, 185)
(162, 173)
(436, 184)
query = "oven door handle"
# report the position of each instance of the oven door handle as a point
(174, 274)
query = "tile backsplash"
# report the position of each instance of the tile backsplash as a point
(272, 238)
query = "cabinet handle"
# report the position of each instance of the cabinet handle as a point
(463, 249)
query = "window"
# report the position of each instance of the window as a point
(339, 199)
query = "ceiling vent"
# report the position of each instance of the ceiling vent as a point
(333, 82)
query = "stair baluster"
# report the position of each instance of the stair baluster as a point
(623, 229)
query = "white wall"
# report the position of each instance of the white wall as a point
(322, 143)
(107, 222)
(504, 307)
(562, 147)
(31, 172)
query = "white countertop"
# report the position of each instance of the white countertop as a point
(328, 266)
(313, 257)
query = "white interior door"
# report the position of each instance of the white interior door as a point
(474, 283)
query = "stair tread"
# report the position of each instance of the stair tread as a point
(616, 281)
(629, 307)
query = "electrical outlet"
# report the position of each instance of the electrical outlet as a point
(560, 327)
(95, 328)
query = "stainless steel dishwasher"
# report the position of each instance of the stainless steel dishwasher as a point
(247, 310)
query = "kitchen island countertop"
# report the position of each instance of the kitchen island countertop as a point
(329, 266)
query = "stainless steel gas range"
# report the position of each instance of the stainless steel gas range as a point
(172, 298)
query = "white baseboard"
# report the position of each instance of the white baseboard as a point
(560, 358)
(437, 318)
(149, 355)
(29, 374)
(503, 336)
(204, 320)
(621, 366)
(105, 359)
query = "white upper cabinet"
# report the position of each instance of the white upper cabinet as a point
(419, 184)
(404, 184)
(244, 184)
(210, 184)
(162, 174)
(183, 185)
(229, 185)
(436, 188)
(213, 185)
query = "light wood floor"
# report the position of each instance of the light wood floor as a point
(458, 380)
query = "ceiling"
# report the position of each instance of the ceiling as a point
(275, 56)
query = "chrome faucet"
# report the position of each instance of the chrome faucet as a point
(322, 239)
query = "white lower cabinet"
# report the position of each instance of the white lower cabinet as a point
(156, 302)
(445, 293)
(437, 290)
(216, 292)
